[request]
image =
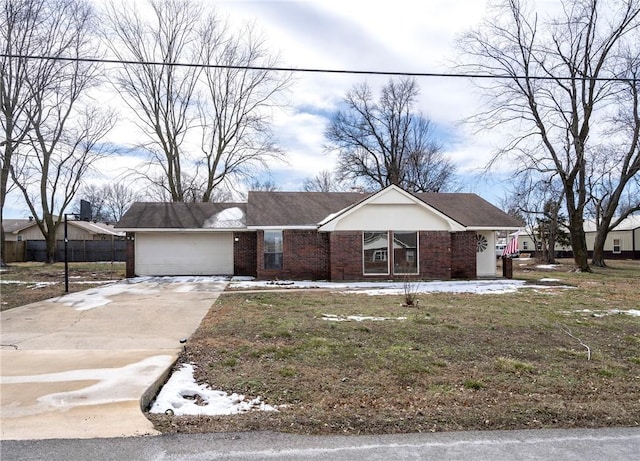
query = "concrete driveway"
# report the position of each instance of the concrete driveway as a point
(85, 364)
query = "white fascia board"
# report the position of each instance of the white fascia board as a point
(307, 227)
(173, 229)
(492, 228)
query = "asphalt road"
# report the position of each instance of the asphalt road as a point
(618, 444)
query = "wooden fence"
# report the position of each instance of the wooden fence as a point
(78, 251)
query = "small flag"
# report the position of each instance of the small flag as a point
(512, 247)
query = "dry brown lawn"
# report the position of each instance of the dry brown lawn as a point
(457, 362)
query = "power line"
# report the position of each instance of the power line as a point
(316, 70)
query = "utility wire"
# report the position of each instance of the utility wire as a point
(316, 70)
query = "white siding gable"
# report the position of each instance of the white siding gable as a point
(391, 208)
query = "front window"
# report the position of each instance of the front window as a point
(405, 252)
(375, 252)
(616, 246)
(273, 249)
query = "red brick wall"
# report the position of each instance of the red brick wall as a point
(463, 260)
(338, 256)
(305, 256)
(244, 253)
(435, 254)
(346, 256)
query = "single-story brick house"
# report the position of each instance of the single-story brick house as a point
(319, 236)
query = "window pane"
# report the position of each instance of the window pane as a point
(405, 252)
(273, 249)
(375, 252)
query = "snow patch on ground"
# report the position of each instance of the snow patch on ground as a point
(549, 280)
(357, 318)
(398, 288)
(547, 266)
(181, 395)
(35, 286)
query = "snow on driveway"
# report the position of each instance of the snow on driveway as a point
(101, 296)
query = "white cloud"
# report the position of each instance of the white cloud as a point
(342, 34)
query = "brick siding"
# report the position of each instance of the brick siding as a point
(463, 255)
(305, 256)
(244, 253)
(435, 255)
(308, 254)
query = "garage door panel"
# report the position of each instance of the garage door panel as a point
(184, 253)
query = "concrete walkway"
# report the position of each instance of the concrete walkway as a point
(84, 365)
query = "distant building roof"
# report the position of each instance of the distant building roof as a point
(631, 222)
(15, 226)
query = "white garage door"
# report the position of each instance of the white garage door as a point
(184, 253)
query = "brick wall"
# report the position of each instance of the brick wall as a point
(435, 255)
(338, 256)
(305, 256)
(244, 253)
(346, 256)
(463, 260)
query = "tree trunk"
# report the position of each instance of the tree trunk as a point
(598, 246)
(3, 246)
(51, 247)
(579, 243)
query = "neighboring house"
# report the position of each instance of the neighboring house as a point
(391, 234)
(19, 230)
(623, 242)
(88, 241)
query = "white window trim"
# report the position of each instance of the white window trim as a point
(618, 245)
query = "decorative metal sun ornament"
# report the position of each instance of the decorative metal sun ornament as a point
(481, 243)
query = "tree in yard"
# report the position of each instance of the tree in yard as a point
(20, 34)
(537, 200)
(60, 133)
(108, 202)
(555, 89)
(615, 178)
(388, 142)
(207, 124)
(324, 181)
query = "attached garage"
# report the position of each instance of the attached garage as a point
(182, 238)
(184, 253)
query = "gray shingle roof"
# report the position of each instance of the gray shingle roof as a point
(304, 209)
(174, 215)
(470, 210)
(296, 208)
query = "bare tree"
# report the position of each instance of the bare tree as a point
(537, 200)
(108, 202)
(62, 133)
(325, 181)
(615, 176)
(388, 142)
(26, 28)
(551, 88)
(207, 127)
(237, 137)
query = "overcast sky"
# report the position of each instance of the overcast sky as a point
(398, 36)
